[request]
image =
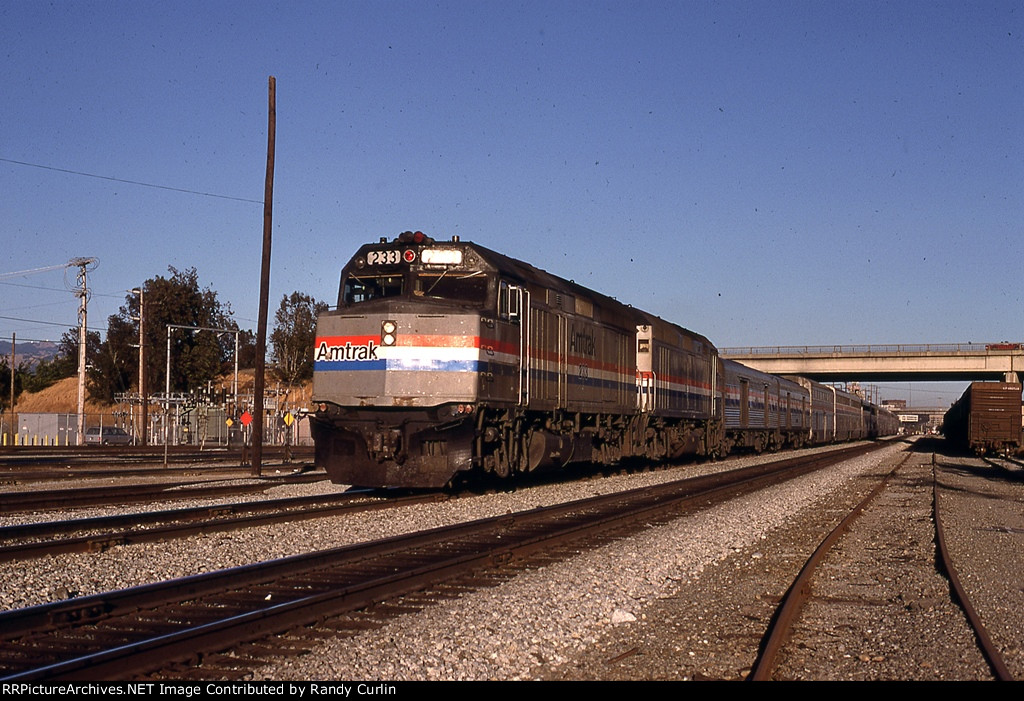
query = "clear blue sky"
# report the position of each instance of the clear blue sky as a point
(778, 173)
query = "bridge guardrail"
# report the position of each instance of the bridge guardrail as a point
(872, 349)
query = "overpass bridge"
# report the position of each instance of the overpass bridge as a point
(888, 363)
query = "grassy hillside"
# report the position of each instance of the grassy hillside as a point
(63, 396)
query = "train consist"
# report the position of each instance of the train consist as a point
(986, 419)
(447, 357)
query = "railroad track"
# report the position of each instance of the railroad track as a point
(19, 542)
(133, 631)
(121, 494)
(34, 476)
(1005, 463)
(26, 466)
(782, 630)
(37, 455)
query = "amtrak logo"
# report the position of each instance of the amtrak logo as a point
(326, 353)
(582, 342)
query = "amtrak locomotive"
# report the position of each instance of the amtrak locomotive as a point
(447, 357)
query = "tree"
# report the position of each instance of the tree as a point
(114, 363)
(196, 356)
(246, 348)
(294, 334)
(5, 384)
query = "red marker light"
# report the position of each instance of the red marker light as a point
(409, 255)
(418, 237)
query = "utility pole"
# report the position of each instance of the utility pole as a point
(261, 325)
(14, 428)
(167, 392)
(144, 419)
(234, 382)
(83, 295)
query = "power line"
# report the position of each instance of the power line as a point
(34, 287)
(130, 182)
(102, 330)
(33, 271)
(28, 340)
(35, 306)
(46, 323)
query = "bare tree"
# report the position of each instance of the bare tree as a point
(294, 334)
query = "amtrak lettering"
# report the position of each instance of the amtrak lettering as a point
(328, 353)
(582, 342)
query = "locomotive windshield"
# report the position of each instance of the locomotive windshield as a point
(414, 267)
(363, 288)
(466, 287)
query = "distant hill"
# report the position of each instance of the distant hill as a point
(29, 352)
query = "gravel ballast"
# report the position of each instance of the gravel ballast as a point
(682, 600)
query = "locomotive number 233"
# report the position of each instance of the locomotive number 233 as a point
(391, 257)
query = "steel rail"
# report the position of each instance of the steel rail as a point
(182, 523)
(799, 592)
(65, 474)
(37, 456)
(35, 500)
(946, 564)
(363, 574)
(796, 597)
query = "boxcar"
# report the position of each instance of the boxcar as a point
(986, 419)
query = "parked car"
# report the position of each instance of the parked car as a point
(107, 435)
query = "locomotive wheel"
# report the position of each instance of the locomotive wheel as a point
(502, 466)
(506, 456)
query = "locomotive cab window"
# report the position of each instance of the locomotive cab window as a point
(366, 287)
(462, 287)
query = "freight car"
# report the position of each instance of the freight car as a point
(447, 357)
(986, 419)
